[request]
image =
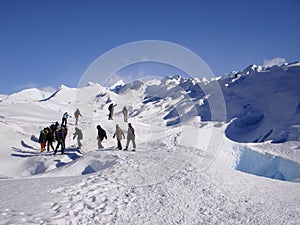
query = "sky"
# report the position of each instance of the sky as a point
(47, 43)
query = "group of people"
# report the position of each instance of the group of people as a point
(119, 135)
(111, 108)
(49, 135)
(66, 116)
(56, 132)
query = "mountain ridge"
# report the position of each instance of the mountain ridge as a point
(252, 98)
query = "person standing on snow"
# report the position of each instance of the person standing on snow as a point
(79, 135)
(60, 135)
(43, 139)
(77, 114)
(101, 136)
(125, 113)
(111, 111)
(119, 134)
(64, 119)
(130, 137)
(50, 137)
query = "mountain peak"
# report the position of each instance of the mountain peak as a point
(251, 68)
(116, 85)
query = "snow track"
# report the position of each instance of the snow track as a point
(188, 196)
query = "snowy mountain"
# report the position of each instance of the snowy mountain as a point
(200, 158)
(261, 103)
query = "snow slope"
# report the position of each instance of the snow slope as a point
(187, 169)
(265, 105)
(262, 104)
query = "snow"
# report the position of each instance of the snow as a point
(188, 168)
(2, 97)
(118, 83)
(266, 164)
(264, 105)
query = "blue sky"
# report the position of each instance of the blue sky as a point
(48, 43)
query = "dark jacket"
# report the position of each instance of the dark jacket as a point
(60, 134)
(50, 134)
(43, 137)
(101, 133)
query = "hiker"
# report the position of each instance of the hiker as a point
(43, 139)
(60, 135)
(101, 136)
(64, 119)
(125, 113)
(79, 135)
(50, 137)
(65, 131)
(119, 134)
(111, 111)
(77, 114)
(130, 137)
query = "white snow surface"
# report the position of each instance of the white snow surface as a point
(186, 169)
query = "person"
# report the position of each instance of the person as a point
(60, 135)
(65, 118)
(111, 111)
(43, 139)
(125, 113)
(65, 131)
(79, 135)
(130, 137)
(77, 114)
(50, 137)
(119, 134)
(101, 136)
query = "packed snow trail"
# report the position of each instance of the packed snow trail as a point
(123, 194)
